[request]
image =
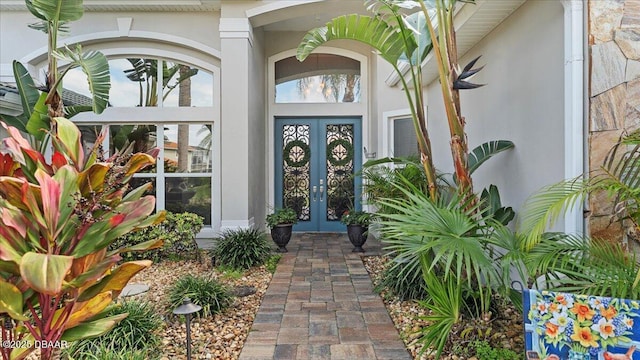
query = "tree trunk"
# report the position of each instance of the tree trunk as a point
(184, 99)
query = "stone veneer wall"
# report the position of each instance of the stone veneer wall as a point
(614, 92)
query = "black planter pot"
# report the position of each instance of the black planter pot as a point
(358, 236)
(281, 234)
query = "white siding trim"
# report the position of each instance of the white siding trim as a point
(40, 54)
(385, 130)
(574, 103)
(236, 224)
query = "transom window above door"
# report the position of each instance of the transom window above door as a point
(321, 78)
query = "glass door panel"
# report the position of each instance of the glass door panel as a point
(316, 160)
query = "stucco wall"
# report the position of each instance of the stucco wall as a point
(257, 131)
(614, 93)
(202, 29)
(522, 102)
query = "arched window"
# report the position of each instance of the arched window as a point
(183, 130)
(140, 82)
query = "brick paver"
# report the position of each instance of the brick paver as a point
(321, 305)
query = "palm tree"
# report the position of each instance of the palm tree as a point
(576, 263)
(332, 86)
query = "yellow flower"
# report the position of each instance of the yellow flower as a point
(583, 311)
(609, 313)
(584, 336)
(551, 330)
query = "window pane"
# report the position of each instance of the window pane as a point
(321, 78)
(142, 137)
(133, 82)
(189, 194)
(404, 138)
(88, 136)
(187, 86)
(187, 148)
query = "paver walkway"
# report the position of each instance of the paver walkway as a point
(320, 304)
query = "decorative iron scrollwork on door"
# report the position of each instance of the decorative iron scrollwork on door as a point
(340, 166)
(296, 153)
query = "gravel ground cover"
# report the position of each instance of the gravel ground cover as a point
(505, 329)
(218, 337)
(222, 336)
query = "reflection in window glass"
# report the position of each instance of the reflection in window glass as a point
(192, 194)
(88, 136)
(187, 86)
(134, 83)
(404, 138)
(187, 148)
(141, 137)
(321, 78)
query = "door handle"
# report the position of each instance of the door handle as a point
(315, 190)
(321, 192)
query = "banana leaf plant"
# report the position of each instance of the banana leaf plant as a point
(57, 220)
(41, 104)
(404, 39)
(145, 71)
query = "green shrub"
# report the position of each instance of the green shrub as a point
(178, 232)
(242, 248)
(230, 273)
(403, 282)
(484, 351)
(281, 217)
(135, 334)
(102, 352)
(272, 262)
(206, 292)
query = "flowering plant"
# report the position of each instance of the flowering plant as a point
(583, 323)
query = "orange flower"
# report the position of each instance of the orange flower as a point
(609, 313)
(552, 330)
(583, 311)
(561, 299)
(553, 307)
(584, 336)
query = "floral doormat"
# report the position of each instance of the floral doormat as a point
(563, 326)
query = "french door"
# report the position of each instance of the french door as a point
(316, 162)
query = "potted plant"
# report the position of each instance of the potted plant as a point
(357, 227)
(281, 224)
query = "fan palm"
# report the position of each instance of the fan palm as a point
(455, 248)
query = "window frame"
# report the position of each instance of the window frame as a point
(387, 129)
(160, 116)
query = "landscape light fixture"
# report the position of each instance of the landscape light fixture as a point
(187, 308)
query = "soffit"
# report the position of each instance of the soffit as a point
(301, 15)
(131, 5)
(473, 23)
